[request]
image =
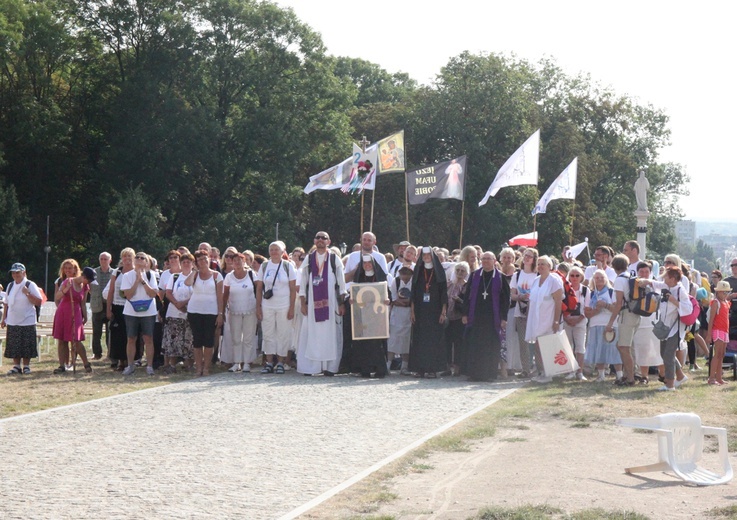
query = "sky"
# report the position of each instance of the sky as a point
(672, 55)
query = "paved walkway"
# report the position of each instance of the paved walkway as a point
(228, 446)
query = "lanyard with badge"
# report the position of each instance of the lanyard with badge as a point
(428, 281)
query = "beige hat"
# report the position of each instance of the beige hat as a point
(723, 286)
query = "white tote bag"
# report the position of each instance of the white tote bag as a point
(557, 354)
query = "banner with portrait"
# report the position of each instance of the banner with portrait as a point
(369, 311)
(445, 180)
(391, 154)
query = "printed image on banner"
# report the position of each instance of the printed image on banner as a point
(445, 180)
(331, 179)
(363, 170)
(391, 154)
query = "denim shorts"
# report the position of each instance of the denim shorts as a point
(145, 324)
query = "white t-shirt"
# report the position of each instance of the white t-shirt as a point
(118, 299)
(204, 298)
(21, 312)
(523, 285)
(590, 270)
(180, 291)
(241, 298)
(277, 279)
(164, 279)
(128, 281)
(622, 284)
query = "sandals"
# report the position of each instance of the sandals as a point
(88, 368)
(268, 369)
(60, 369)
(279, 369)
(26, 370)
(14, 370)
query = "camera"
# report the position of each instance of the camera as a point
(268, 294)
(664, 295)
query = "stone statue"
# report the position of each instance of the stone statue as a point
(641, 187)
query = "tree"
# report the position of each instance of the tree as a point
(16, 239)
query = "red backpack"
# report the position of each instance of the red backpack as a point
(570, 301)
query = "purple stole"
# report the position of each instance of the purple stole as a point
(496, 290)
(320, 295)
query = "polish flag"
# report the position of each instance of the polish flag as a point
(528, 239)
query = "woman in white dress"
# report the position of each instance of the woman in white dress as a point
(544, 315)
(520, 294)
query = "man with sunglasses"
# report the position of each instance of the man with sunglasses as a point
(321, 298)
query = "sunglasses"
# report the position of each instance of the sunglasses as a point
(141, 258)
(321, 237)
(229, 256)
(574, 276)
(733, 265)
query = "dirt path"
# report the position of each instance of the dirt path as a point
(548, 463)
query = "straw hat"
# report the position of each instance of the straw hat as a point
(723, 286)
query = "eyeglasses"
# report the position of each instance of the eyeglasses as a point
(321, 237)
(229, 256)
(141, 258)
(574, 276)
(669, 262)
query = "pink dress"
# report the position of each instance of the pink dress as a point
(63, 328)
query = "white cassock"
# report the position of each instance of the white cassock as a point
(321, 343)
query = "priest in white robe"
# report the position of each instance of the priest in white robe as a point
(321, 298)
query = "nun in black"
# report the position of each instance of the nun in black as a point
(368, 356)
(429, 305)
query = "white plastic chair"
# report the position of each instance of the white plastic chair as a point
(680, 446)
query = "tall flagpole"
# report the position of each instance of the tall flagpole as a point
(406, 203)
(463, 209)
(573, 216)
(363, 144)
(373, 194)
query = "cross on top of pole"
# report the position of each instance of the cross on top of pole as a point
(364, 143)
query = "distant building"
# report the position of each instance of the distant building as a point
(686, 232)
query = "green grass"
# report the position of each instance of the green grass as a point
(723, 512)
(545, 512)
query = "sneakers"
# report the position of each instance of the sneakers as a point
(246, 368)
(581, 377)
(570, 376)
(129, 370)
(235, 368)
(542, 379)
(666, 389)
(678, 383)
(601, 378)
(149, 370)
(268, 369)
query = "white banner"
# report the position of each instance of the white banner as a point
(363, 170)
(563, 187)
(520, 168)
(331, 179)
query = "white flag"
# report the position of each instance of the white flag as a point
(521, 168)
(363, 170)
(331, 179)
(576, 250)
(563, 187)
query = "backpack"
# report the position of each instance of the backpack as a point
(43, 297)
(570, 300)
(639, 300)
(690, 319)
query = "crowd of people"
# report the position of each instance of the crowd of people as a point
(461, 312)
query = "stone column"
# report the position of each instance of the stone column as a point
(641, 216)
